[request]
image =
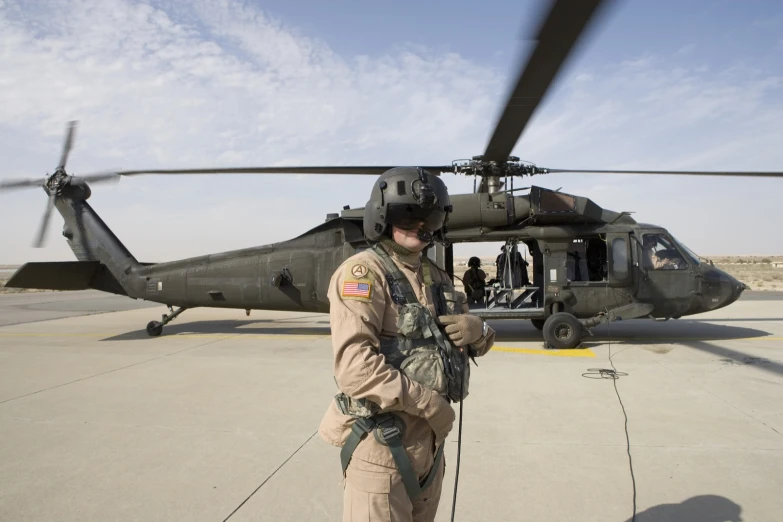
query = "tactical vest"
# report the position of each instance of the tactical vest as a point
(422, 353)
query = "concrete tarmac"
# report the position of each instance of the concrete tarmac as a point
(41, 306)
(216, 419)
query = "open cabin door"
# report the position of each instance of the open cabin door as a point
(512, 294)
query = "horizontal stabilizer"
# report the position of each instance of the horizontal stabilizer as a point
(65, 275)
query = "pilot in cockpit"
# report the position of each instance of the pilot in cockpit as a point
(653, 259)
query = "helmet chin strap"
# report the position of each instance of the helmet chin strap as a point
(432, 237)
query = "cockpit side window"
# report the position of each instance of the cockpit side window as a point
(660, 253)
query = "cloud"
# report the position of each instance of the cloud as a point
(225, 83)
(229, 85)
(221, 84)
(685, 49)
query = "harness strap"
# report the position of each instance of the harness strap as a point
(425, 269)
(390, 435)
(407, 290)
(395, 273)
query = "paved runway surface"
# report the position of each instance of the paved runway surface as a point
(216, 419)
(41, 306)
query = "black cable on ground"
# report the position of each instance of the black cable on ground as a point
(615, 376)
(459, 433)
(605, 373)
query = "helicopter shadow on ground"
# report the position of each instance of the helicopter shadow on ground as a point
(702, 508)
(691, 334)
(641, 331)
(299, 326)
(635, 332)
(734, 358)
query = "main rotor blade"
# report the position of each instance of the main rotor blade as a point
(557, 35)
(373, 171)
(44, 223)
(673, 172)
(68, 143)
(98, 177)
(20, 183)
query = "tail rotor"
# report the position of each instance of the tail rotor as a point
(38, 243)
(56, 183)
(68, 144)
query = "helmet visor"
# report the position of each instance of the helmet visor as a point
(413, 217)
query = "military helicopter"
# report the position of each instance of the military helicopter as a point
(590, 265)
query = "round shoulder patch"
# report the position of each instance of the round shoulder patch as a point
(359, 270)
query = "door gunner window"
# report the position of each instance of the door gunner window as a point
(659, 253)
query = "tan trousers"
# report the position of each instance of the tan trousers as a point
(376, 493)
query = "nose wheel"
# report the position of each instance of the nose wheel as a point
(155, 328)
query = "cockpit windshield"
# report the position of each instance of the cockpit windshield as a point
(661, 252)
(694, 257)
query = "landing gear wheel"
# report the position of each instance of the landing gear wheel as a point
(538, 323)
(562, 330)
(154, 328)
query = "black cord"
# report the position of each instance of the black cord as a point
(465, 363)
(604, 373)
(627, 437)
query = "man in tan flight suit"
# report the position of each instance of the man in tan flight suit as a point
(406, 212)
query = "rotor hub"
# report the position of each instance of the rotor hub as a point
(57, 181)
(513, 166)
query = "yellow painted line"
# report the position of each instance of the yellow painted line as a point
(665, 339)
(575, 352)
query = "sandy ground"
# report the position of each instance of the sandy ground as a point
(216, 419)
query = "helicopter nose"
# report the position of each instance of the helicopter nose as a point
(720, 289)
(737, 288)
(731, 289)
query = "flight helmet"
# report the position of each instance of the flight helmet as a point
(409, 198)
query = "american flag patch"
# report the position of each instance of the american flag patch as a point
(356, 289)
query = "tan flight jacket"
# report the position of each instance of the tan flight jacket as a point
(358, 324)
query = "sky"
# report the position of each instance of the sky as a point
(694, 85)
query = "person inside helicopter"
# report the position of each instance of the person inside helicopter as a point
(576, 265)
(475, 281)
(660, 253)
(518, 267)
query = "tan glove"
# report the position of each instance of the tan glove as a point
(463, 329)
(440, 416)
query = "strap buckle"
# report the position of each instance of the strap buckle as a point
(387, 433)
(387, 430)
